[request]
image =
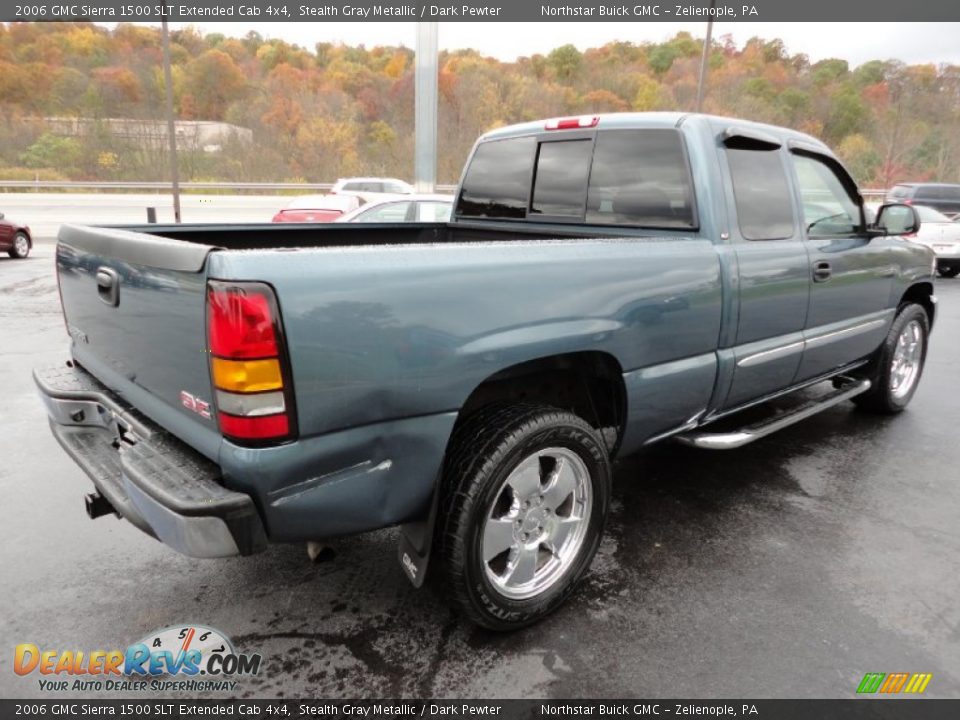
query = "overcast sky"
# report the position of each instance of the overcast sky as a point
(855, 42)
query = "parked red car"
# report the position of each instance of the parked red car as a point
(317, 208)
(14, 238)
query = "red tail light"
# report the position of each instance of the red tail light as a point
(248, 365)
(242, 321)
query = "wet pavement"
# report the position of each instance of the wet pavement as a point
(788, 568)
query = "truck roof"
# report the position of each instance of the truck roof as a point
(624, 121)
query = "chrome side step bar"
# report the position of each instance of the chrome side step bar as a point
(738, 438)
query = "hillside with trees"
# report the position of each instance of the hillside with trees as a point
(332, 110)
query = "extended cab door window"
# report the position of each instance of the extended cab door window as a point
(641, 178)
(761, 191)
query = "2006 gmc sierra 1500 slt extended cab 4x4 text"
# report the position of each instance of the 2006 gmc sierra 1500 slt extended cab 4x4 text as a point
(605, 282)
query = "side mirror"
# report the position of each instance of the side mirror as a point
(896, 219)
(2, 216)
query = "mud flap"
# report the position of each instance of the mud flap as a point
(416, 541)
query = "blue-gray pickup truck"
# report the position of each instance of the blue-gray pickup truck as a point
(606, 282)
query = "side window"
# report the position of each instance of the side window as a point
(828, 208)
(391, 212)
(761, 191)
(926, 193)
(560, 185)
(641, 178)
(951, 192)
(497, 183)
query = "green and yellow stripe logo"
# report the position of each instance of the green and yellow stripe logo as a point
(892, 683)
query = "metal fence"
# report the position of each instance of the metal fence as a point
(163, 187)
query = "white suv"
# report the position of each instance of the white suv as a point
(371, 187)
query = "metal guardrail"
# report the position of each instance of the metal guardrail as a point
(165, 186)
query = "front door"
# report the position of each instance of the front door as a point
(852, 275)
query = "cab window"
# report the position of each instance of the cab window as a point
(761, 191)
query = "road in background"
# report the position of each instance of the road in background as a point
(45, 212)
(787, 568)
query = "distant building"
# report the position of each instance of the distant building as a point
(206, 135)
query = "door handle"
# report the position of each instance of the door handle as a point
(821, 272)
(108, 286)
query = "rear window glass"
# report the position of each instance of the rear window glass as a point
(900, 191)
(497, 183)
(764, 203)
(561, 181)
(640, 177)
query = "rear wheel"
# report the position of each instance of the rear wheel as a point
(21, 246)
(948, 271)
(895, 371)
(526, 495)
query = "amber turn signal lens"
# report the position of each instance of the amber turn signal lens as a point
(247, 376)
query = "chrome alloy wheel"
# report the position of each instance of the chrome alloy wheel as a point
(21, 246)
(907, 360)
(538, 522)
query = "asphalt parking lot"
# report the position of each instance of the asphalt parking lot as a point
(788, 568)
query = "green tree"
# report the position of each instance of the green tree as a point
(52, 151)
(565, 61)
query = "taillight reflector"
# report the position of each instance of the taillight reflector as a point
(261, 427)
(584, 121)
(241, 321)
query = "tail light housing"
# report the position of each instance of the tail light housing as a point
(249, 366)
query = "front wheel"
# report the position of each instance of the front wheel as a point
(21, 246)
(526, 496)
(895, 371)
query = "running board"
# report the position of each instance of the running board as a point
(738, 438)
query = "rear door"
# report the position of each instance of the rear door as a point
(851, 274)
(773, 276)
(6, 234)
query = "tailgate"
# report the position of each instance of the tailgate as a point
(135, 307)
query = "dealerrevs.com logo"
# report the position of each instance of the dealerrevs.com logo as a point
(179, 658)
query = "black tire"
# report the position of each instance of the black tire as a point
(948, 271)
(20, 240)
(881, 398)
(484, 450)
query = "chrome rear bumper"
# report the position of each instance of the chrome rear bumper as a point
(151, 478)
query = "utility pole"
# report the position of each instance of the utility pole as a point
(426, 108)
(701, 86)
(171, 125)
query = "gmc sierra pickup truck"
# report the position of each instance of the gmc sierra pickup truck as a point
(606, 282)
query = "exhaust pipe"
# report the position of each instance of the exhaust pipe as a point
(97, 505)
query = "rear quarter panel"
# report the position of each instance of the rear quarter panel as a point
(378, 333)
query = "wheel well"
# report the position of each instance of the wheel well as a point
(589, 384)
(922, 294)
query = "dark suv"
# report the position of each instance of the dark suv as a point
(939, 196)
